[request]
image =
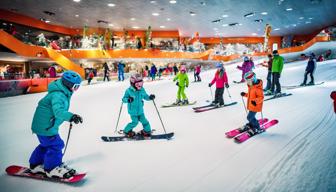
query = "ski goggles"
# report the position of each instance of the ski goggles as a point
(75, 87)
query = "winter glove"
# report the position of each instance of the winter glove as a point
(152, 97)
(76, 119)
(227, 85)
(210, 84)
(254, 103)
(242, 94)
(177, 83)
(130, 99)
(187, 86)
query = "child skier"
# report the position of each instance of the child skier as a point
(221, 80)
(246, 67)
(90, 77)
(310, 69)
(134, 96)
(51, 112)
(255, 98)
(182, 83)
(197, 73)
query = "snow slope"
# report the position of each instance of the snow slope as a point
(296, 155)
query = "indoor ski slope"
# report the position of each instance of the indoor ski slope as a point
(296, 155)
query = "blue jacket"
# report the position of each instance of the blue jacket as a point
(311, 65)
(153, 69)
(121, 67)
(136, 107)
(52, 110)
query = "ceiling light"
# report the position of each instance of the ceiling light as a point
(301, 18)
(192, 13)
(240, 24)
(276, 29)
(289, 9)
(168, 19)
(132, 19)
(264, 13)
(307, 22)
(152, 1)
(162, 27)
(310, 18)
(47, 21)
(224, 15)
(254, 34)
(77, 1)
(225, 25)
(76, 15)
(155, 14)
(135, 27)
(172, 2)
(249, 15)
(294, 25)
(111, 25)
(111, 4)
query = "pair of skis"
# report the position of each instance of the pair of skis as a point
(241, 137)
(137, 137)
(211, 107)
(300, 86)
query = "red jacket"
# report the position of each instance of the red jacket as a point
(220, 80)
(333, 96)
(91, 75)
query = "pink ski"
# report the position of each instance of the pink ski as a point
(236, 132)
(245, 136)
(20, 171)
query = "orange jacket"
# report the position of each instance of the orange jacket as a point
(255, 93)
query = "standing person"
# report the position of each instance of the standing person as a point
(106, 72)
(52, 71)
(197, 73)
(310, 69)
(51, 112)
(269, 73)
(277, 66)
(175, 69)
(121, 68)
(333, 96)
(182, 83)
(90, 77)
(221, 80)
(153, 71)
(134, 96)
(246, 67)
(161, 69)
(255, 99)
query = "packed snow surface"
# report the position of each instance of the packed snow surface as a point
(298, 154)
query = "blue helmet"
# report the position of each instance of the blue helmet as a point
(219, 65)
(246, 59)
(71, 78)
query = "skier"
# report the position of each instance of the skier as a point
(106, 72)
(310, 69)
(90, 77)
(134, 96)
(333, 96)
(51, 112)
(277, 66)
(221, 80)
(175, 69)
(153, 71)
(255, 98)
(269, 73)
(121, 68)
(246, 67)
(197, 73)
(182, 83)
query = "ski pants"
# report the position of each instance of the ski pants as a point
(48, 152)
(269, 80)
(106, 76)
(181, 93)
(219, 96)
(276, 82)
(153, 76)
(121, 76)
(311, 73)
(135, 121)
(197, 77)
(252, 120)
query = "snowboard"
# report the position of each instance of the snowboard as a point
(174, 105)
(275, 97)
(213, 107)
(299, 86)
(21, 171)
(137, 137)
(235, 132)
(238, 82)
(245, 135)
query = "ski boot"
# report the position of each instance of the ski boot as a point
(245, 128)
(269, 92)
(185, 102)
(279, 94)
(144, 133)
(254, 131)
(130, 134)
(302, 84)
(311, 83)
(177, 102)
(37, 169)
(62, 171)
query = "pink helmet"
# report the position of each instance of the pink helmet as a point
(183, 68)
(136, 81)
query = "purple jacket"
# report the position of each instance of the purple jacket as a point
(246, 67)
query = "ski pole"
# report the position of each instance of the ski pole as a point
(262, 118)
(67, 141)
(228, 92)
(118, 117)
(159, 117)
(244, 104)
(211, 93)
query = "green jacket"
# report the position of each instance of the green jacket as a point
(52, 110)
(182, 79)
(136, 107)
(277, 64)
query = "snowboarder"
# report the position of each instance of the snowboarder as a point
(221, 80)
(197, 73)
(246, 67)
(277, 66)
(134, 96)
(121, 69)
(269, 73)
(255, 98)
(333, 96)
(182, 83)
(51, 112)
(310, 69)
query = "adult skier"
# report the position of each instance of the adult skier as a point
(121, 70)
(51, 112)
(220, 79)
(310, 69)
(153, 71)
(277, 66)
(269, 73)
(255, 99)
(182, 83)
(134, 97)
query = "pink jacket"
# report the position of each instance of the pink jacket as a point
(198, 69)
(220, 81)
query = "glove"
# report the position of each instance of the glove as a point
(210, 84)
(242, 94)
(187, 86)
(254, 103)
(130, 99)
(151, 97)
(177, 83)
(227, 85)
(76, 119)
